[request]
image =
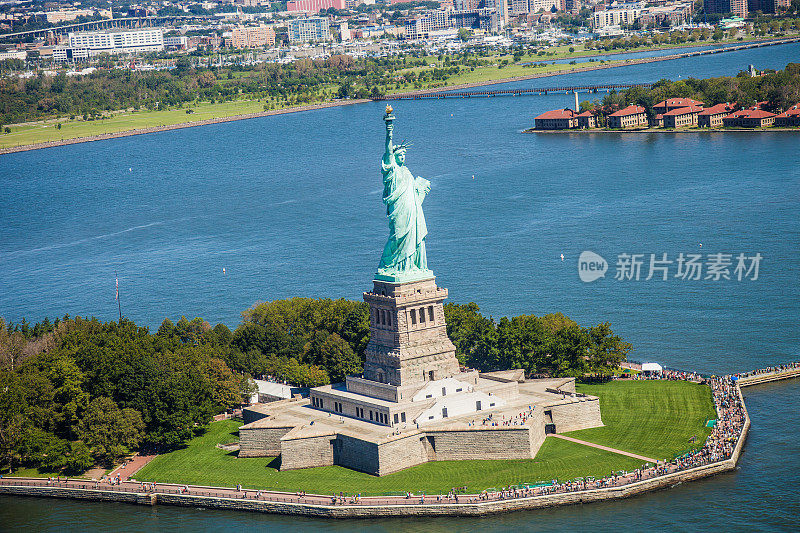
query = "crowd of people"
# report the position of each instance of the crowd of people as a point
(768, 370)
(518, 419)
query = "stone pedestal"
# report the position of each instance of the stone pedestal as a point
(408, 343)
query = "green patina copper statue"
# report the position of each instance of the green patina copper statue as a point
(403, 256)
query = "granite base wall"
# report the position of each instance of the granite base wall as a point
(576, 415)
(401, 453)
(307, 452)
(492, 443)
(357, 454)
(261, 442)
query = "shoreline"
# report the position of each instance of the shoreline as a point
(294, 504)
(395, 96)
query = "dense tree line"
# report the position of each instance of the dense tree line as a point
(109, 89)
(77, 392)
(88, 392)
(780, 90)
(551, 345)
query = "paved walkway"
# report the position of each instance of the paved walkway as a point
(606, 448)
(126, 470)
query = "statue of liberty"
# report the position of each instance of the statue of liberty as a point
(403, 256)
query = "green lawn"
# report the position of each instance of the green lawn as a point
(652, 418)
(123, 121)
(203, 464)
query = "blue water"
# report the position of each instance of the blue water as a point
(290, 205)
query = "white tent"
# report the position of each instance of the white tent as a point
(652, 367)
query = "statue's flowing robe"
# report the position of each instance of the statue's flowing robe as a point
(403, 195)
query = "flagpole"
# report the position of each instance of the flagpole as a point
(119, 304)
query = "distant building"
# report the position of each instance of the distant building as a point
(675, 103)
(252, 37)
(54, 17)
(711, 117)
(547, 5)
(617, 16)
(314, 6)
(632, 116)
(587, 120)
(180, 42)
(421, 26)
(557, 119)
(672, 15)
(14, 54)
(749, 118)
(765, 6)
(118, 41)
(65, 53)
(682, 117)
(737, 7)
(790, 117)
(658, 121)
(480, 19)
(309, 29)
(571, 6)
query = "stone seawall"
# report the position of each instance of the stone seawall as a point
(294, 506)
(100, 495)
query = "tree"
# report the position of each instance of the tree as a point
(12, 419)
(345, 89)
(464, 34)
(110, 432)
(182, 65)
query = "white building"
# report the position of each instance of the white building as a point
(118, 41)
(64, 53)
(546, 5)
(617, 17)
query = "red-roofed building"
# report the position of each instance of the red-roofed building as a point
(557, 119)
(658, 121)
(682, 117)
(711, 117)
(790, 117)
(674, 103)
(632, 116)
(749, 118)
(586, 120)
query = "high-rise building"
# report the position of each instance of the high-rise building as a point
(765, 6)
(737, 7)
(253, 37)
(421, 26)
(309, 29)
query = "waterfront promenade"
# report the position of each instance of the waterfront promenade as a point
(720, 453)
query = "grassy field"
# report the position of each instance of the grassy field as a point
(203, 464)
(123, 121)
(651, 418)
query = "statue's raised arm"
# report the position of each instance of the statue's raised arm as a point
(404, 257)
